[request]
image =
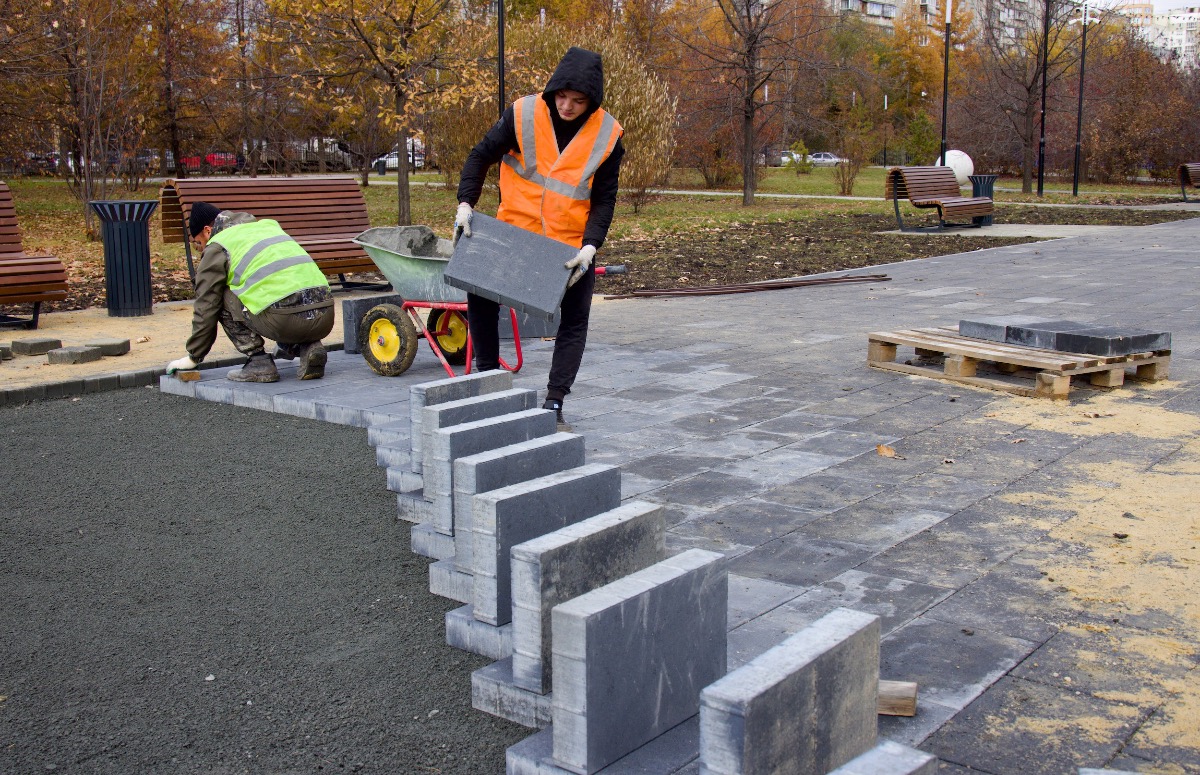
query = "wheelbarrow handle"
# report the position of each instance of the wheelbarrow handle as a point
(614, 269)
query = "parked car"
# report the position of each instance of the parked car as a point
(787, 157)
(391, 160)
(825, 159)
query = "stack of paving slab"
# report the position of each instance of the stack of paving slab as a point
(1065, 335)
(614, 650)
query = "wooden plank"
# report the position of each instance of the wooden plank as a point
(896, 698)
(983, 382)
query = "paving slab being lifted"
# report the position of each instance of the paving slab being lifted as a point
(1065, 335)
(514, 267)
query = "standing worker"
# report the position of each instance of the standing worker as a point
(560, 158)
(257, 282)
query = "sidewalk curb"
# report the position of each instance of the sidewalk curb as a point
(99, 383)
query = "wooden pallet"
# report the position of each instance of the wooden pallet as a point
(1052, 369)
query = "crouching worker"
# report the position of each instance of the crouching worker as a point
(257, 282)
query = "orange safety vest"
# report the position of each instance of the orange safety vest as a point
(544, 191)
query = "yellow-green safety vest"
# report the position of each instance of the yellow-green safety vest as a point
(265, 264)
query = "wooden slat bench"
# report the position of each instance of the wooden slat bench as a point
(1052, 370)
(934, 187)
(323, 214)
(1189, 175)
(23, 278)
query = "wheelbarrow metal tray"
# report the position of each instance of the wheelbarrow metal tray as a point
(413, 259)
(514, 267)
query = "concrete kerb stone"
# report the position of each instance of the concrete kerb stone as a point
(445, 579)
(439, 471)
(631, 658)
(501, 467)
(673, 752)
(464, 631)
(569, 562)
(428, 542)
(446, 445)
(807, 705)
(493, 691)
(6, 352)
(451, 389)
(889, 758)
(511, 515)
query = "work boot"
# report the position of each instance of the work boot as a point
(259, 368)
(312, 361)
(286, 352)
(555, 405)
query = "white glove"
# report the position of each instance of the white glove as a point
(182, 364)
(462, 221)
(581, 262)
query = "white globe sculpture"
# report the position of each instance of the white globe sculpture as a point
(962, 165)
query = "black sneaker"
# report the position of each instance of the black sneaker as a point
(556, 406)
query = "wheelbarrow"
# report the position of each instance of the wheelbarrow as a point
(413, 258)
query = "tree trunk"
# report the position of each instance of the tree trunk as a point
(1027, 144)
(749, 135)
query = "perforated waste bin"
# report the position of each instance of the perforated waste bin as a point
(125, 229)
(982, 185)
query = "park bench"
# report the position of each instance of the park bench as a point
(323, 214)
(934, 187)
(1189, 175)
(25, 278)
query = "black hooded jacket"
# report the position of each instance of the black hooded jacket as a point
(580, 70)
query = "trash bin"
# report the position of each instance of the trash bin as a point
(982, 185)
(124, 227)
(380, 167)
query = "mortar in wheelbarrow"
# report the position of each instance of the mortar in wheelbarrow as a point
(412, 258)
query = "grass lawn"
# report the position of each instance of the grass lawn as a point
(832, 232)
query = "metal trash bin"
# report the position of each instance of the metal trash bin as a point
(124, 227)
(983, 185)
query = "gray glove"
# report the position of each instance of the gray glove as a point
(181, 364)
(581, 262)
(462, 221)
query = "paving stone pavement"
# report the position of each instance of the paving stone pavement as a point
(754, 419)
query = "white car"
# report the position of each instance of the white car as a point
(788, 156)
(391, 160)
(825, 159)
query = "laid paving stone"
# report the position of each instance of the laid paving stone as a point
(889, 758)
(36, 345)
(567, 563)
(1088, 729)
(800, 560)
(661, 627)
(806, 705)
(74, 354)
(951, 663)
(512, 515)
(110, 347)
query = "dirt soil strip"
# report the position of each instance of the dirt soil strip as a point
(195, 588)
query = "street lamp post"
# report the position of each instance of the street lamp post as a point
(1045, 66)
(946, 85)
(500, 64)
(1079, 114)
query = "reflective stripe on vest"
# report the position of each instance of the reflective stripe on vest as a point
(544, 191)
(265, 264)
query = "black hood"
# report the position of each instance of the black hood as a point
(580, 70)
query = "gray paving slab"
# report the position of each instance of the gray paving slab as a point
(512, 266)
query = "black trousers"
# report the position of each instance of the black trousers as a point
(483, 320)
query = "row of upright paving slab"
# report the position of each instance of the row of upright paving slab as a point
(614, 650)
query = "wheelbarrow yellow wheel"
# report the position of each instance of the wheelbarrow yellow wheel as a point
(387, 340)
(449, 328)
